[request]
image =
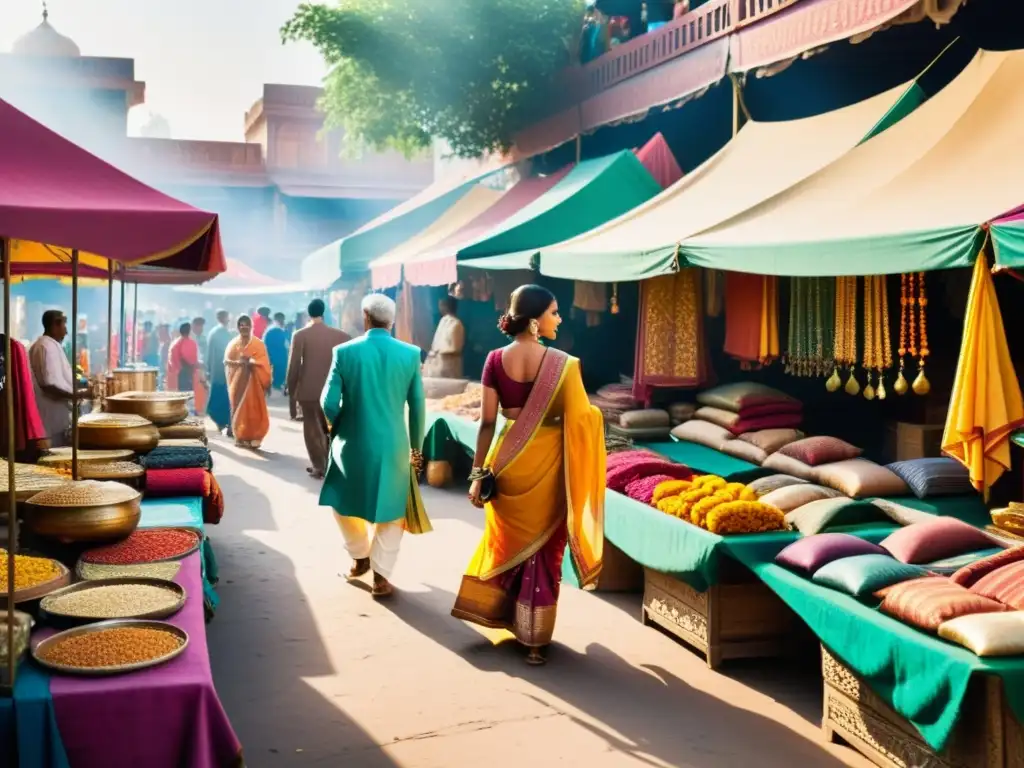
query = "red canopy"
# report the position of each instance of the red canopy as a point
(657, 158)
(53, 193)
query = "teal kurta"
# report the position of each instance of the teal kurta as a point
(372, 379)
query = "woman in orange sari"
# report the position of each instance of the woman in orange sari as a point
(248, 372)
(542, 483)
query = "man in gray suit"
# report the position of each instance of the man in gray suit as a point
(308, 366)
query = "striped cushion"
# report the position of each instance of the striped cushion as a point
(934, 477)
(972, 573)
(928, 602)
(1005, 585)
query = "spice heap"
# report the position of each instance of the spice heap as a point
(113, 420)
(110, 470)
(93, 571)
(30, 477)
(145, 546)
(85, 493)
(466, 404)
(116, 601)
(113, 647)
(28, 571)
(61, 457)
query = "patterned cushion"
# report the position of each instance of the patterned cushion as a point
(1005, 585)
(811, 553)
(934, 540)
(789, 466)
(987, 634)
(950, 566)
(795, 496)
(702, 433)
(644, 419)
(864, 575)
(972, 572)
(860, 478)
(821, 450)
(772, 440)
(717, 416)
(743, 394)
(745, 451)
(765, 485)
(928, 602)
(934, 477)
(816, 516)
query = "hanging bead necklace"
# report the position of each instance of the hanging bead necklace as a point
(921, 384)
(869, 336)
(882, 287)
(901, 386)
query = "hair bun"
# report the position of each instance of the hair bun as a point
(511, 325)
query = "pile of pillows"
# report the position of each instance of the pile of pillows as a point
(979, 605)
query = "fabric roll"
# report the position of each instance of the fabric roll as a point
(176, 482)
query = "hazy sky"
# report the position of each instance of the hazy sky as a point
(204, 62)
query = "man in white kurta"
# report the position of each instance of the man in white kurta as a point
(52, 377)
(444, 360)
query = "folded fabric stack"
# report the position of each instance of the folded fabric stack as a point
(648, 424)
(178, 454)
(748, 407)
(613, 400)
(193, 481)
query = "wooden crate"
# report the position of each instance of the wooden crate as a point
(619, 572)
(738, 618)
(987, 735)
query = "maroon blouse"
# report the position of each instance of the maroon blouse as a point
(511, 393)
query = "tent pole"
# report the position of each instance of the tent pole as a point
(74, 364)
(111, 359)
(12, 510)
(135, 326)
(122, 343)
(735, 107)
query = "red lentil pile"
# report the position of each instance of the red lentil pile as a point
(112, 648)
(144, 546)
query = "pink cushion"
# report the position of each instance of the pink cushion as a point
(785, 465)
(936, 539)
(821, 450)
(812, 552)
(768, 409)
(772, 421)
(1006, 585)
(928, 602)
(969, 574)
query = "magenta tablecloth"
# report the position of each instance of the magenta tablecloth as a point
(167, 716)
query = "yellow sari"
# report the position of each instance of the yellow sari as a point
(247, 388)
(549, 469)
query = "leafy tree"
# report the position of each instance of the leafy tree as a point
(471, 72)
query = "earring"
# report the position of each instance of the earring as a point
(534, 328)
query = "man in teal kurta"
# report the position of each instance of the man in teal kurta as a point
(372, 380)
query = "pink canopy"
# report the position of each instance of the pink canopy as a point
(56, 195)
(659, 161)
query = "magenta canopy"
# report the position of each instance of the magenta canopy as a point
(56, 195)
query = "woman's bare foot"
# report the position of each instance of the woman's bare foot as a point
(359, 568)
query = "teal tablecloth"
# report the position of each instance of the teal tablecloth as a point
(708, 461)
(185, 512)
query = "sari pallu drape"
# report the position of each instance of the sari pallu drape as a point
(549, 469)
(247, 386)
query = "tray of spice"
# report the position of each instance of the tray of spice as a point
(124, 598)
(165, 571)
(111, 647)
(34, 577)
(61, 457)
(29, 479)
(147, 545)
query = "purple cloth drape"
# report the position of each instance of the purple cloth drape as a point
(169, 716)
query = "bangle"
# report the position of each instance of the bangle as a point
(478, 473)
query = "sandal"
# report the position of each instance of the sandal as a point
(382, 588)
(359, 568)
(535, 658)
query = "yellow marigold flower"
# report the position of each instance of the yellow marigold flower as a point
(700, 510)
(670, 488)
(744, 517)
(669, 505)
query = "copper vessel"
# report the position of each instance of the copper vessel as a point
(117, 430)
(103, 511)
(161, 408)
(132, 379)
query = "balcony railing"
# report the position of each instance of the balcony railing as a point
(700, 26)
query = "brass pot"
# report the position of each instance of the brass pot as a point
(161, 408)
(140, 379)
(117, 430)
(106, 511)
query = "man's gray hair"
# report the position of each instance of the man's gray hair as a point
(380, 308)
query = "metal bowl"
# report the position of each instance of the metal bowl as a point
(133, 379)
(28, 594)
(60, 458)
(40, 648)
(86, 524)
(29, 479)
(47, 609)
(161, 408)
(101, 431)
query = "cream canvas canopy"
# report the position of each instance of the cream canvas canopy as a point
(913, 198)
(763, 160)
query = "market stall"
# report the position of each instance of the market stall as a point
(125, 633)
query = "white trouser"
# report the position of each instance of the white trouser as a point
(383, 551)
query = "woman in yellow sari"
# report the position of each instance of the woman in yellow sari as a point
(542, 483)
(248, 371)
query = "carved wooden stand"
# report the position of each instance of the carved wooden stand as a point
(737, 618)
(987, 735)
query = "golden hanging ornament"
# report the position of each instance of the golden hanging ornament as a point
(834, 381)
(869, 335)
(852, 385)
(615, 299)
(845, 341)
